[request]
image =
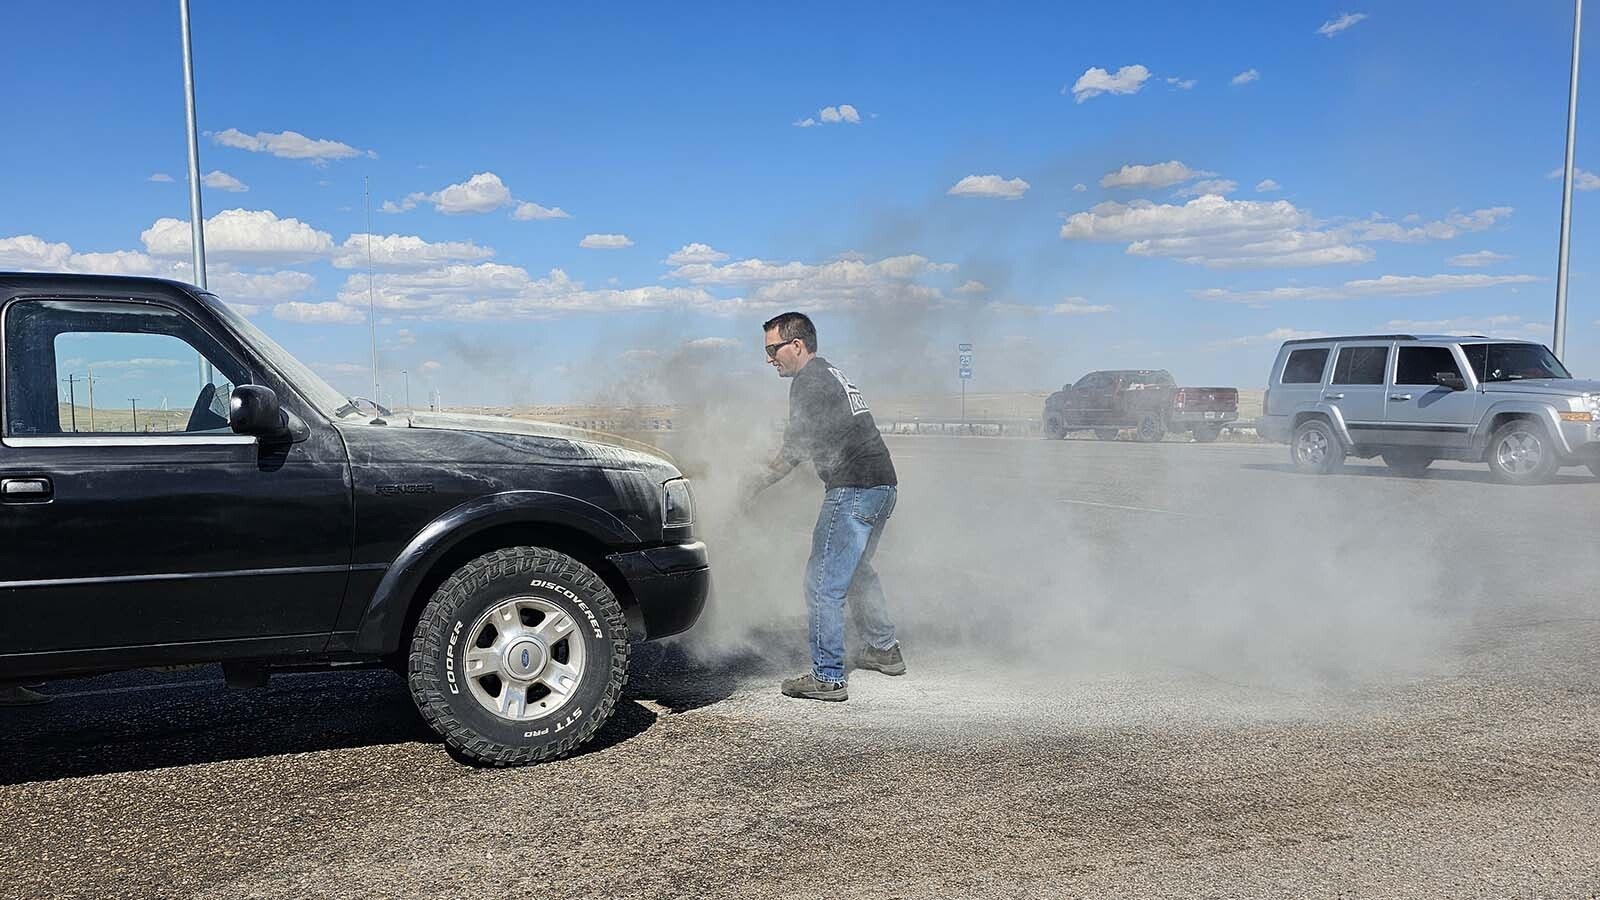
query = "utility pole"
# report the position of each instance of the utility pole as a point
(408, 388)
(72, 399)
(1560, 340)
(91, 379)
(135, 402)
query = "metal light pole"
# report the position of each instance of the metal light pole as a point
(408, 388)
(196, 221)
(1560, 339)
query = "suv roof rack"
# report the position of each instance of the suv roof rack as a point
(1389, 337)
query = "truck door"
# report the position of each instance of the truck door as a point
(1423, 408)
(140, 518)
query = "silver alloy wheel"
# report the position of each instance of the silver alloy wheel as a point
(519, 674)
(1519, 452)
(1312, 446)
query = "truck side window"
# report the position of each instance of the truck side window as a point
(1305, 366)
(1423, 365)
(106, 367)
(1361, 365)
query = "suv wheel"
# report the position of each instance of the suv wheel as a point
(1150, 429)
(1205, 434)
(519, 657)
(1520, 453)
(1106, 434)
(1053, 429)
(1408, 462)
(1315, 448)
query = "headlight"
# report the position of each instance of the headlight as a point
(677, 503)
(1592, 401)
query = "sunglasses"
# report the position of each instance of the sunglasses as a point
(772, 349)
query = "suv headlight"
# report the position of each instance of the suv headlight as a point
(677, 504)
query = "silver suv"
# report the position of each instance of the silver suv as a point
(1412, 399)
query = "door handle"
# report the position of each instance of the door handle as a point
(25, 490)
(1399, 396)
(1333, 396)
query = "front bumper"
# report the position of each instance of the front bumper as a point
(669, 586)
(1581, 440)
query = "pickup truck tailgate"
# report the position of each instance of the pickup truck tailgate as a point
(1206, 399)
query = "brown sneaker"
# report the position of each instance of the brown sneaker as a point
(889, 661)
(807, 687)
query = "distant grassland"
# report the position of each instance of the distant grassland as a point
(106, 421)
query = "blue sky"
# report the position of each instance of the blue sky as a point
(1152, 203)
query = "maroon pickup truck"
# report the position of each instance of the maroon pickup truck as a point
(1147, 400)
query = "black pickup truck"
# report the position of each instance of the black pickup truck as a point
(265, 520)
(1147, 400)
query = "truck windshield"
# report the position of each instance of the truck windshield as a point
(324, 396)
(1513, 362)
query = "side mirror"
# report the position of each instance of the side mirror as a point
(1451, 380)
(254, 410)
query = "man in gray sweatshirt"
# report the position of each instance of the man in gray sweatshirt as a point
(830, 424)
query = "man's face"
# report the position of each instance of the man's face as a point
(785, 356)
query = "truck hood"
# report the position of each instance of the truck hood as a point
(1560, 387)
(607, 448)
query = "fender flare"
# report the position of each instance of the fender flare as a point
(1544, 413)
(1327, 411)
(387, 609)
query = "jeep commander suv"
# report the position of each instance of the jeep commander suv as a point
(176, 488)
(1412, 399)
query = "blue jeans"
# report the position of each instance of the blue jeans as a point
(840, 567)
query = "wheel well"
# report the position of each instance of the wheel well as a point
(572, 542)
(1301, 418)
(1498, 422)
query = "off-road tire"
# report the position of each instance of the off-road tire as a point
(1302, 449)
(1206, 434)
(436, 671)
(1107, 434)
(1151, 429)
(1528, 430)
(1053, 429)
(1409, 463)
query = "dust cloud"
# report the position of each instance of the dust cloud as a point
(1028, 556)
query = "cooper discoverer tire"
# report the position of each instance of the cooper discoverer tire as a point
(1053, 429)
(519, 657)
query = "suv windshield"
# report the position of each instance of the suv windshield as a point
(1513, 362)
(324, 396)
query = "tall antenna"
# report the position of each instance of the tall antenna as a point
(372, 309)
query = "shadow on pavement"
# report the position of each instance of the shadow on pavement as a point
(140, 720)
(1471, 476)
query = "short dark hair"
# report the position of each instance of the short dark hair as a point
(793, 325)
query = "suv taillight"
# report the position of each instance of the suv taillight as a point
(1180, 398)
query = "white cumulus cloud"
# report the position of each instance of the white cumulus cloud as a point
(1159, 175)
(1218, 186)
(1247, 76)
(1332, 27)
(1183, 84)
(532, 211)
(1383, 286)
(605, 241)
(252, 237)
(1478, 259)
(973, 287)
(695, 253)
(1096, 81)
(989, 186)
(404, 251)
(1267, 185)
(843, 114)
(319, 313)
(1077, 306)
(1581, 180)
(222, 181)
(160, 176)
(288, 145)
